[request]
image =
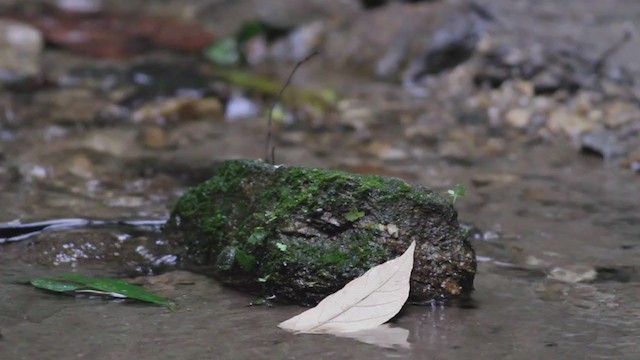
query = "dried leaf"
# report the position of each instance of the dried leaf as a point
(364, 303)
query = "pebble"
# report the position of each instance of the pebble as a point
(80, 165)
(518, 117)
(240, 107)
(481, 180)
(155, 137)
(80, 6)
(603, 142)
(384, 151)
(20, 50)
(566, 122)
(179, 109)
(116, 142)
(621, 113)
(573, 273)
(300, 43)
(72, 105)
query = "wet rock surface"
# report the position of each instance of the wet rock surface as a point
(303, 233)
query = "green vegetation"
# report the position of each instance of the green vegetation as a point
(224, 52)
(257, 237)
(321, 100)
(457, 192)
(108, 287)
(246, 260)
(354, 215)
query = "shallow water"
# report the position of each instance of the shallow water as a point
(556, 232)
(549, 208)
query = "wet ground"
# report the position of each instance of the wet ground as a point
(556, 231)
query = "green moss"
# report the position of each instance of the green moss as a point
(354, 214)
(251, 218)
(305, 190)
(257, 237)
(273, 201)
(246, 261)
(321, 262)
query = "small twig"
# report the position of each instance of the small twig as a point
(599, 64)
(483, 12)
(270, 151)
(273, 155)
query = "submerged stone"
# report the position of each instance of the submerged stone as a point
(303, 233)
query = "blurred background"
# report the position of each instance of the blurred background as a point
(111, 109)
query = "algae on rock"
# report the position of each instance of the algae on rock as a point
(303, 233)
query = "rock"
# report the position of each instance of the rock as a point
(80, 6)
(293, 13)
(115, 142)
(602, 142)
(256, 50)
(502, 61)
(386, 151)
(155, 137)
(179, 109)
(303, 233)
(450, 46)
(620, 112)
(386, 37)
(518, 117)
(240, 107)
(632, 163)
(83, 27)
(80, 165)
(20, 49)
(550, 66)
(573, 273)
(300, 43)
(482, 180)
(71, 105)
(392, 60)
(569, 123)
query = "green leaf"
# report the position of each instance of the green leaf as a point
(258, 302)
(257, 237)
(322, 100)
(281, 246)
(457, 192)
(247, 261)
(54, 285)
(224, 52)
(116, 286)
(264, 279)
(460, 190)
(354, 215)
(111, 287)
(250, 30)
(79, 283)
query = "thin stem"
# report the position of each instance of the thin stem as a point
(271, 157)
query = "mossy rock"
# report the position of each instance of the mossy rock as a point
(302, 233)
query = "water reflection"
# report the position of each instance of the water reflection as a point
(384, 336)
